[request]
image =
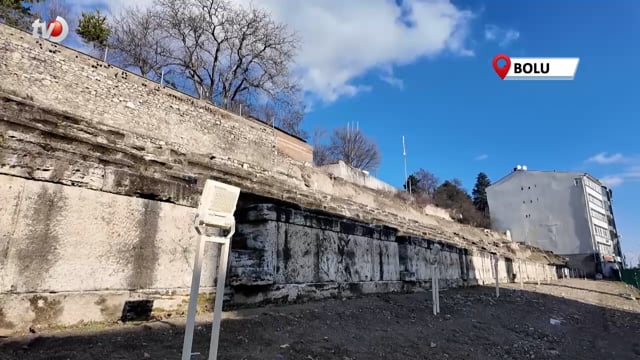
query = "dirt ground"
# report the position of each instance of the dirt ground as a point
(598, 320)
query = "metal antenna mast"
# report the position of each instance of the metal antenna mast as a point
(404, 154)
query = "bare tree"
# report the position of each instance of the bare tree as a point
(227, 51)
(285, 112)
(261, 51)
(321, 152)
(137, 41)
(233, 56)
(427, 182)
(181, 29)
(354, 148)
(55, 8)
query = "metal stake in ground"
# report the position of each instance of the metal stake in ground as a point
(520, 274)
(437, 289)
(538, 273)
(435, 278)
(495, 266)
(215, 216)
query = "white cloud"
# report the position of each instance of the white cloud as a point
(630, 173)
(388, 77)
(482, 157)
(344, 40)
(604, 158)
(500, 35)
(612, 181)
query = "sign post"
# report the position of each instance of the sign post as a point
(214, 223)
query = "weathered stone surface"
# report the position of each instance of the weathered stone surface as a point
(46, 145)
(100, 171)
(176, 142)
(282, 245)
(69, 239)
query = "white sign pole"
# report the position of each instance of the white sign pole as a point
(215, 214)
(217, 309)
(193, 299)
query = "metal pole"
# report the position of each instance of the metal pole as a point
(520, 274)
(497, 277)
(193, 299)
(106, 50)
(547, 277)
(433, 290)
(404, 155)
(162, 78)
(437, 289)
(217, 312)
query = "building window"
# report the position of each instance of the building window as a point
(595, 200)
(593, 185)
(601, 232)
(604, 249)
(598, 215)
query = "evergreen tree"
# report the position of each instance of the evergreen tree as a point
(451, 195)
(412, 183)
(480, 193)
(93, 28)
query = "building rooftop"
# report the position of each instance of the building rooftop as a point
(574, 173)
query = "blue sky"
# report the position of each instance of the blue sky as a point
(429, 77)
(455, 111)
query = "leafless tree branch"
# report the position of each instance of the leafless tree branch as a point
(354, 148)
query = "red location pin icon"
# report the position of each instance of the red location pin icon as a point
(502, 71)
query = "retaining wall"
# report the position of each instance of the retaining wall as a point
(100, 171)
(73, 255)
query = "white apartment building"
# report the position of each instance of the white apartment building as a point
(568, 213)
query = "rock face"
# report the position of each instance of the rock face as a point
(100, 171)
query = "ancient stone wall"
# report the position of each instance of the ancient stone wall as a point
(357, 176)
(71, 81)
(100, 172)
(69, 118)
(74, 255)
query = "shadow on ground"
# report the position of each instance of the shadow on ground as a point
(473, 324)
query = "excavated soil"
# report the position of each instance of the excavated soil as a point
(595, 320)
